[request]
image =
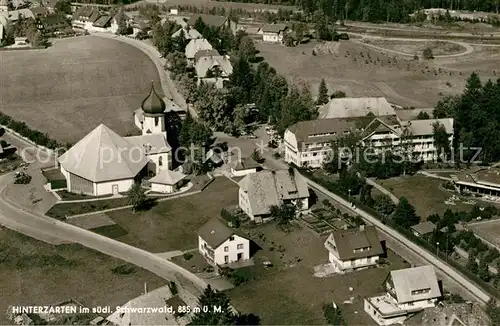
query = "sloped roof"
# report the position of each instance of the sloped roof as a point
(413, 279)
(270, 188)
(321, 130)
(84, 13)
(245, 164)
(39, 11)
(189, 33)
(424, 227)
(152, 143)
(215, 232)
(205, 63)
(167, 177)
(355, 107)
(153, 103)
(195, 46)
(103, 155)
(102, 21)
(206, 53)
(273, 28)
(13, 15)
(425, 127)
(53, 20)
(210, 20)
(348, 240)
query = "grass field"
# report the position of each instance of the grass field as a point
(173, 224)
(424, 194)
(35, 273)
(288, 293)
(359, 70)
(437, 47)
(489, 230)
(73, 86)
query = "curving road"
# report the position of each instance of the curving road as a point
(44, 228)
(478, 293)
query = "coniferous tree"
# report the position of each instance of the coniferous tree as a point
(322, 93)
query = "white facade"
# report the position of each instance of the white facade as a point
(234, 249)
(272, 37)
(152, 124)
(385, 310)
(158, 162)
(158, 187)
(217, 81)
(312, 155)
(244, 203)
(352, 263)
(242, 173)
(97, 188)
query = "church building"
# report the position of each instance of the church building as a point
(104, 162)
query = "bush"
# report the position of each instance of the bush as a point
(187, 256)
(428, 54)
(35, 136)
(124, 269)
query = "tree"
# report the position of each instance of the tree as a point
(493, 312)
(283, 214)
(404, 214)
(441, 140)
(122, 24)
(246, 49)
(472, 264)
(210, 298)
(322, 93)
(333, 315)
(422, 115)
(9, 36)
(428, 54)
(257, 157)
(63, 7)
(136, 197)
(483, 271)
(176, 63)
(384, 205)
(185, 133)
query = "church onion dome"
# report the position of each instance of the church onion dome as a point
(153, 103)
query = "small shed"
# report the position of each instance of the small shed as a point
(423, 229)
(167, 181)
(245, 166)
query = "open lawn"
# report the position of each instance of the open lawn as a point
(437, 47)
(70, 88)
(359, 70)
(173, 224)
(424, 194)
(288, 293)
(35, 273)
(488, 230)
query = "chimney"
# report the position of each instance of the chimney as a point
(145, 287)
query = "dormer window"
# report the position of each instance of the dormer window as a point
(160, 161)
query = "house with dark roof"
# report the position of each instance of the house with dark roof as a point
(214, 21)
(409, 291)
(260, 191)
(211, 67)
(84, 17)
(221, 245)
(354, 248)
(53, 23)
(423, 229)
(273, 32)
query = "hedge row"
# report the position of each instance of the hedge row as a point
(331, 186)
(34, 135)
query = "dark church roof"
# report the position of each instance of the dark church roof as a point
(153, 103)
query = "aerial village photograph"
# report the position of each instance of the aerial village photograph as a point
(250, 162)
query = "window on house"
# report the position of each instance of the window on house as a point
(231, 238)
(226, 259)
(240, 246)
(156, 121)
(160, 161)
(226, 249)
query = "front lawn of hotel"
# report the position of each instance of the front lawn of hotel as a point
(173, 224)
(36, 273)
(288, 293)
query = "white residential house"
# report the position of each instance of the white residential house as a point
(354, 248)
(104, 163)
(409, 291)
(214, 21)
(211, 67)
(245, 166)
(4, 22)
(273, 32)
(353, 107)
(258, 192)
(188, 32)
(84, 17)
(194, 46)
(221, 245)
